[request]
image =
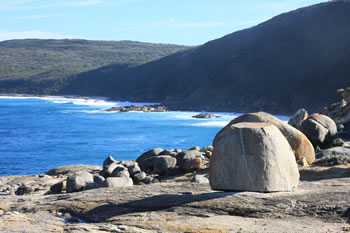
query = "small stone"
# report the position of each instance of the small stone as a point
(199, 179)
(59, 187)
(23, 190)
(138, 177)
(114, 182)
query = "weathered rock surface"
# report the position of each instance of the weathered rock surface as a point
(253, 157)
(320, 129)
(73, 170)
(300, 144)
(298, 118)
(320, 204)
(333, 156)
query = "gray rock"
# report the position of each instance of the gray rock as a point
(298, 118)
(162, 163)
(128, 164)
(319, 129)
(133, 170)
(115, 182)
(190, 160)
(148, 180)
(23, 190)
(149, 154)
(110, 168)
(301, 145)
(144, 160)
(197, 148)
(199, 179)
(139, 177)
(253, 157)
(79, 182)
(205, 115)
(109, 160)
(59, 187)
(99, 179)
(120, 173)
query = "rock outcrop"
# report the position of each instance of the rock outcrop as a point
(206, 116)
(253, 157)
(301, 145)
(340, 112)
(138, 108)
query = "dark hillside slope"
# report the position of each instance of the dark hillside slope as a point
(45, 66)
(297, 59)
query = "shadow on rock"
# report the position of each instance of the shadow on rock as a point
(156, 203)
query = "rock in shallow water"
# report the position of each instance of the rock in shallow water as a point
(253, 157)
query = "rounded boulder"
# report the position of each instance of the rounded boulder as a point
(252, 157)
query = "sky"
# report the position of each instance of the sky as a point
(185, 22)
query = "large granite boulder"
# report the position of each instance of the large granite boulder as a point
(252, 157)
(319, 129)
(298, 118)
(301, 145)
(79, 182)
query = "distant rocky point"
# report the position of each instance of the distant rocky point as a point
(206, 115)
(138, 108)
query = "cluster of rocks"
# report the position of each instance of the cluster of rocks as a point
(149, 168)
(138, 108)
(261, 143)
(264, 144)
(340, 113)
(206, 116)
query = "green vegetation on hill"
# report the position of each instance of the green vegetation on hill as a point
(45, 66)
(297, 59)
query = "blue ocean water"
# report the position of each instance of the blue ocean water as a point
(38, 134)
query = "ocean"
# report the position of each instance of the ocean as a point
(38, 134)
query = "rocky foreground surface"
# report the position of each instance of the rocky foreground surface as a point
(320, 204)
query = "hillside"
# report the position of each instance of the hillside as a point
(45, 66)
(297, 59)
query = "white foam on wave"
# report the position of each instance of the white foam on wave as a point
(210, 124)
(130, 139)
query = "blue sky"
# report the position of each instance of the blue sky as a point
(188, 22)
